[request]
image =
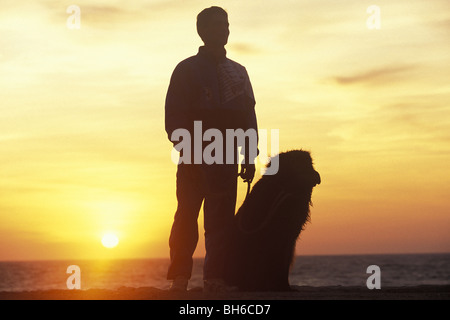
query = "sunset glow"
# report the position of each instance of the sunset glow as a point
(83, 147)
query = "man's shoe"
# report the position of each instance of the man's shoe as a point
(217, 285)
(179, 284)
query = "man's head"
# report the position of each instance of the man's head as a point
(212, 26)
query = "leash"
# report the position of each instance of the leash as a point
(248, 181)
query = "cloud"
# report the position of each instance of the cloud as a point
(403, 127)
(379, 76)
(442, 25)
(108, 14)
(244, 48)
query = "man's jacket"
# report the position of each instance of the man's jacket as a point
(215, 91)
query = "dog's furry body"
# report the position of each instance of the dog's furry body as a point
(268, 224)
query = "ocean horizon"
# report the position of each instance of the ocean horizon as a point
(396, 270)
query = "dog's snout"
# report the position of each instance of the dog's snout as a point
(317, 179)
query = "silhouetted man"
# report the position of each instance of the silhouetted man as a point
(215, 90)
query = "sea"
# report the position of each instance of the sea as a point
(393, 270)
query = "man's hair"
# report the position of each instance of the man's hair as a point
(204, 18)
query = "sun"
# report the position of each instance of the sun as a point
(110, 240)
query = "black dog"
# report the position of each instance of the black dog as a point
(268, 224)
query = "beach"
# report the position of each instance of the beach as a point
(403, 277)
(423, 292)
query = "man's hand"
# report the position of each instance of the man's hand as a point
(247, 172)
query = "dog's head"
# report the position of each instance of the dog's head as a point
(296, 166)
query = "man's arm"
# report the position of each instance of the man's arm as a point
(178, 101)
(251, 151)
(250, 121)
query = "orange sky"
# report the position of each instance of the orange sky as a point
(83, 146)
